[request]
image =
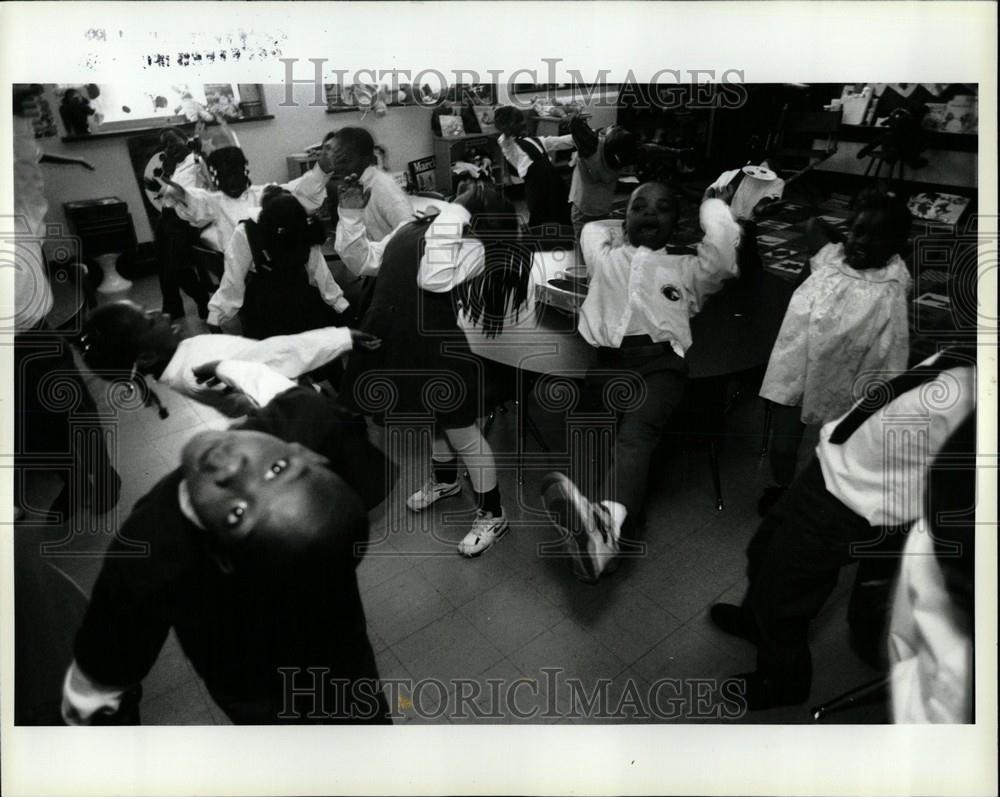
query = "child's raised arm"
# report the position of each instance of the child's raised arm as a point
(196, 206)
(449, 258)
(585, 139)
(322, 279)
(361, 256)
(715, 261)
(228, 297)
(555, 143)
(597, 241)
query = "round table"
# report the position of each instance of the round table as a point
(734, 333)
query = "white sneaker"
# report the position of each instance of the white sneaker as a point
(486, 531)
(431, 492)
(591, 540)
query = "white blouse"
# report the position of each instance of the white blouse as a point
(449, 259)
(228, 298)
(841, 325)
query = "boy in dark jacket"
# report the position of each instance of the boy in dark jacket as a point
(248, 551)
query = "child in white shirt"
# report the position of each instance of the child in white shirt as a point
(637, 314)
(428, 272)
(122, 337)
(275, 273)
(600, 158)
(544, 190)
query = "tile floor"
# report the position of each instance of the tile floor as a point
(502, 620)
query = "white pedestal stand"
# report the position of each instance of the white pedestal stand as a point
(113, 282)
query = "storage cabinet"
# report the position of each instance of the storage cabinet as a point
(103, 225)
(299, 163)
(451, 149)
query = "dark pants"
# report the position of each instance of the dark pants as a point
(642, 384)
(174, 239)
(793, 564)
(56, 423)
(546, 195)
(787, 429)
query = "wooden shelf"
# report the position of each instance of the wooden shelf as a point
(131, 131)
(933, 139)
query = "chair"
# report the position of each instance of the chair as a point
(866, 694)
(791, 146)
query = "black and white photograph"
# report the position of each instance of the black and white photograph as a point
(470, 382)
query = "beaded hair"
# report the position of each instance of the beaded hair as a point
(230, 171)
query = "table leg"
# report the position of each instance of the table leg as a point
(713, 456)
(766, 437)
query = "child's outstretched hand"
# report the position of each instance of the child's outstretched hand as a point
(365, 340)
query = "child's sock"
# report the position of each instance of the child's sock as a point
(618, 515)
(490, 501)
(446, 472)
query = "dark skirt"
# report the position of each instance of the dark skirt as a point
(419, 375)
(546, 195)
(284, 304)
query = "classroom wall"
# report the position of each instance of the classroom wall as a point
(405, 133)
(601, 105)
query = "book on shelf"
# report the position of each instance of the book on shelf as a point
(422, 174)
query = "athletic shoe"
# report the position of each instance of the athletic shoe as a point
(486, 532)
(589, 527)
(432, 492)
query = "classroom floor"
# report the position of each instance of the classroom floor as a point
(515, 612)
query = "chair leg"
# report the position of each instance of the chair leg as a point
(489, 422)
(866, 693)
(534, 431)
(713, 457)
(766, 437)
